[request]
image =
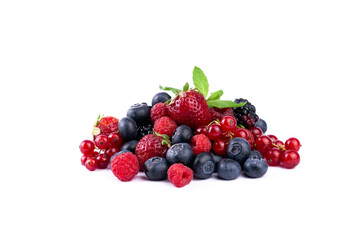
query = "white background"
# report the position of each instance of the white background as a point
(64, 62)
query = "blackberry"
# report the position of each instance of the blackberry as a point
(144, 129)
(245, 115)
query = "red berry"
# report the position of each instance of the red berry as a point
(111, 151)
(228, 123)
(108, 125)
(256, 131)
(200, 143)
(91, 164)
(262, 143)
(179, 175)
(279, 143)
(290, 159)
(115, 139)
(201, 130)
(102, 161)
(273, 137)
(225, 136)
(273, 156)
(219, 147)
(102, 142)
(292, 144)
(87, 147)
(125, 166)
(150, 146)
(158, 111)
(242, 132)
(84, 158)
(165, 125)
(214, 132)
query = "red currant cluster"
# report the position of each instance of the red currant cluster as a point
(97, 153)
(273, 150)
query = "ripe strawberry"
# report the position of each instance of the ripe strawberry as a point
(148, 147)
(105, 125)
(190, 108)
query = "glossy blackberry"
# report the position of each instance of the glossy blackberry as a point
(144, 129)
(245, 115)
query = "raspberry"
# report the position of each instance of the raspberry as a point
(148, 147)
(106, 125)
(179, 175)
(165, 125)
(201, 143)
(158, 111)
(125, 166)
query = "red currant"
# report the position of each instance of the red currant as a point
(201, 130)
(102, 142)
(242, 132)
(273, 137)
(273, 156)
(262, 143)
(87, 147)
(215, 132)
(228, 123)
(290, 159)
(279, 143)
(115, 139)
(85, 157)
(102, 161)
(292, 144)
(91, 164)
(111, 151)
(219, 147)
(226, 136)
(256, 131)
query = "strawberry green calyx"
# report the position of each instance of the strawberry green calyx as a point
(202, 86)
(166, 139)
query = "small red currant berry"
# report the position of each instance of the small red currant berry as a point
(91, 164)
(84, 158)
(262, 143)
(273, 156)
(290, 159)
(273, 137)
(242, 132)
(201, 130)
(256, 131)
(292, 144)
(102, 161)
(228, 123)
(215, 132)
(115, 139)
(111, 151)
(219, 147)
(102, 142)
(87, 147)
(279, 143)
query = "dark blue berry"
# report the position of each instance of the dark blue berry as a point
(261, 124)
(127, 129)
(118, 153)
(228, 169)
(139, 112)
(203, 165)
(255, 167)
(130, 146)
(182, 133)
(217, 159)
(160, 97)
(238, 149)
(180, 153)
(255, 153)
(156, 168)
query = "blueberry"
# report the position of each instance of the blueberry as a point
(180, 153)
(217, 159)
(261, 124)
(160, 97)
(139, 112)
(255, 153)
(238, 149)
(156, 168)
(203, 165)
(127, 129)
(255, 167)
(182, 133)
(228, 169)
(130, 146)
(118, 153)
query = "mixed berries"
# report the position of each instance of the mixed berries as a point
(190, 135)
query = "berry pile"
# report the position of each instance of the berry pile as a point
(191, 135)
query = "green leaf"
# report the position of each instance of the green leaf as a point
(200, 81)
(164, 136)
(186, 87)
(174, 90)
(224, 103)
(216, 95)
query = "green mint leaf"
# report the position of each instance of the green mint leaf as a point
(174, 90)
(216, 95)
(200, 81)
(224, 104)
(186, 87)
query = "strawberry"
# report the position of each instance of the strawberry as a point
(148, 147)
(105, 125)
(190, 108)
